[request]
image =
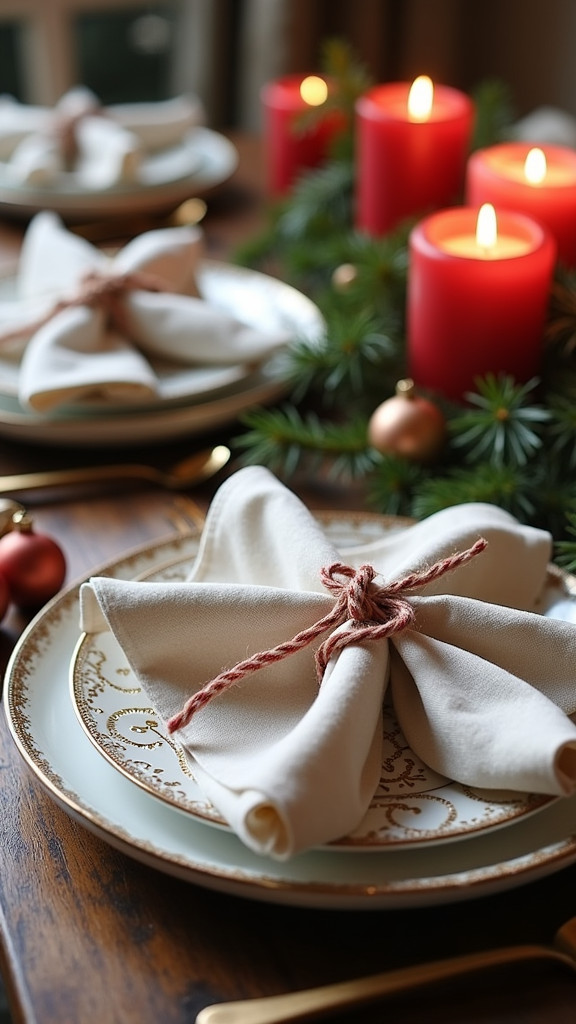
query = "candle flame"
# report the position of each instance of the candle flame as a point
(486, 227)
(535, 167)
(314, 91)
(420, 98)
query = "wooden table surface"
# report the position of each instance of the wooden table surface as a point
(89, 934)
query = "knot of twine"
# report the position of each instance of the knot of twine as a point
(376, 612)
(97, 290)
(64, 127)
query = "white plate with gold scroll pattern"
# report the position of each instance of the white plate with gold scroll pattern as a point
(412, 804)
(87, 786)
(192, 400)
(202, 160)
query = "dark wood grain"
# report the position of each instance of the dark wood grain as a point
(92, 936)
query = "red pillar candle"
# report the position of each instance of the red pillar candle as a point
(540, 182)
(409, 160)
(476, 305)
(290, 147)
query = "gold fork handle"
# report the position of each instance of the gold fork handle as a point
(63, 477)
(311, 1004)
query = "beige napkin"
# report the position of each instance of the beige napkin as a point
(110, 142)
(481, 689)
(78, 354)
(159, 125)
(17, 120)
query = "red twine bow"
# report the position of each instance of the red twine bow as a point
(97, 290)
(64, 128)
(376, 613)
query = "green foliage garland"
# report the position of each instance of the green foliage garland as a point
(512, 444)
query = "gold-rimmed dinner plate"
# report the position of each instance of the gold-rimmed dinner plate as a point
(191, 400)
(65, 761)
(412, 805)
(203, 160)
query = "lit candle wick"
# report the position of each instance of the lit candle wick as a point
(535, 167)
(314, 91)
(420, 98)
(486, 227)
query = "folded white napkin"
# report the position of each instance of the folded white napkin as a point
(481, 685)
(546, 125)
(159, 125)
(17, 120)
(103, 146)
(81, 352)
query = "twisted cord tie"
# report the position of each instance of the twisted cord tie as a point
(64, 127)
(376, 614)
(97, 290)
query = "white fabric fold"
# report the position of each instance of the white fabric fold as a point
(79, 354)
(109, 142)
(482, 686)
(107, 153)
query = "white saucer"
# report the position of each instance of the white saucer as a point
(412, 805)
(205, 159)
(88, 787)
(192, 401)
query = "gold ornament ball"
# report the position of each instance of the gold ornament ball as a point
(407, 425)
(344, 276)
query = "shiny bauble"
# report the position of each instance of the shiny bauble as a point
(32, 564)
(344, 276)
(407, 425)
(5, 596)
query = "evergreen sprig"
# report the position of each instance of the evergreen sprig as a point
(283, 439)
(500, 427)
(495, 114)
(565, 549)
(508, 443)
(349, 79)
(510, 487)
(356, 359)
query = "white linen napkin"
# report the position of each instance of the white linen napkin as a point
(102, 146)
(17, 120)
(79, 353)
(481, 685)
(161, 124)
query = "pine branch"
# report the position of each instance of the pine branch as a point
(501, 427)
(511, 489)
(282, 438)
(565, 549)
(511, 444)
(494, 113)
(393, 484)
(353, 366)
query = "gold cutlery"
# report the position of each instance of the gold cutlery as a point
(183, 474)
(190, 212)
(311, 1004)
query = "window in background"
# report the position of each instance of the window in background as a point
(122, 49)
(10, 72)
(126, 55)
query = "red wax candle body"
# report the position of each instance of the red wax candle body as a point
(403, 166)
(469, 313)
(496, 175)
(290, 150)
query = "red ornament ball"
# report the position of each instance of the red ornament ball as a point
(407, 425)
(32, 564)
(5, 596)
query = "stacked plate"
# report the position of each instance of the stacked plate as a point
(191, 400)
(200, 161)
(78, 717)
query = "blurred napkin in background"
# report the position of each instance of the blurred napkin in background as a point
(482, 686)
(101, 146)
(83, 352)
